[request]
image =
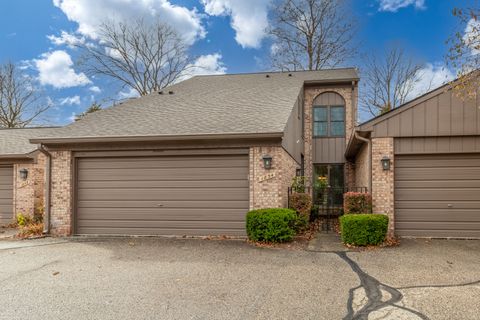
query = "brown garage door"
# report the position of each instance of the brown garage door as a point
(437, 195)
(6, 195)
(185, 195)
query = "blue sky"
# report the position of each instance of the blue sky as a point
(225, 35)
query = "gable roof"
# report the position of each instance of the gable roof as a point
(14, 143)
(237, 104)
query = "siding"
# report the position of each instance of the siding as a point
(427, 145)
(6, 194)
(293, 141)
(329, 150)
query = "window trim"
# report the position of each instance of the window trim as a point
(329, 121)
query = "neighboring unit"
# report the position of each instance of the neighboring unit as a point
(432, 187)
(22, 173)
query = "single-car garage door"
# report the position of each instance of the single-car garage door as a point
(437, 195)
(171, 195)
(6, 194)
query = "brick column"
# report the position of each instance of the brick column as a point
(29, 194)
(269, 188)
(383, 180)
(61, 193)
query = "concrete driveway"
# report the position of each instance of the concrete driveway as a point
(155, 278)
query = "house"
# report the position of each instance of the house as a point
(422, 163)
(22, 173)
(195, 157)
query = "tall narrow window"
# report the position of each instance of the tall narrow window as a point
(329, 115)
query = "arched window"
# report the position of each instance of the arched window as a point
(329, 115)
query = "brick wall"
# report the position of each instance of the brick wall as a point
(350, 117)
(383, 180)
(265, 191)
(362, 173)
(29, 195)
(61, 193)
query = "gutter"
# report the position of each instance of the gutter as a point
(369, 146)
(48, 177)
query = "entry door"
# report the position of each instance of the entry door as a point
(6, 195)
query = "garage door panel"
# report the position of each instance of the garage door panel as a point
(205, 194)
(194, 195)
(164, 184)
(185, 204)
(436, 184)
(173, 214)
(437, 195)
(166, 163)
(6, 194)
(416, 174)
(166, 174)
(446, 215)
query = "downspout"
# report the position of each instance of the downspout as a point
(369, 150)
(48, 176)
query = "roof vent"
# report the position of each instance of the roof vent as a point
(170, 92)
(267, 76)
(160, 92)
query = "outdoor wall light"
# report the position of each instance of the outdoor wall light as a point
(386, 163)
(267, 161)
(23, 174)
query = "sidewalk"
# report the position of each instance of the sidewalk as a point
(326, 242)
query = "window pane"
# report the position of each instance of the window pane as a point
(320, 114)
(337, 128)
(319, 129)
(337, 113)
(336, 176)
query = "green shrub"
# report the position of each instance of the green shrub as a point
(357, 202)
(364, 229)
(23, 220)
(271, 225)
(299, 184)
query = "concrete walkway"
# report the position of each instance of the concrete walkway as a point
(326, 242)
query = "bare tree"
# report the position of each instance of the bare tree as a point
(311, 34)
(20, 101)
(464, 51)
(388, 81)
(94, 107)
(140, 56)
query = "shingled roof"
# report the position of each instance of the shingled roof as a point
(14, 143)
(257, 103)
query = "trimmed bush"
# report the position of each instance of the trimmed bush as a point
(357, 202)
(302, 204)
(271, 225)
(364, 229)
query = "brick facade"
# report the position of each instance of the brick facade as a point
(350, 121)
(61, 193)
(362, 167)
(29, 195)
(265, 191)
(383, 180)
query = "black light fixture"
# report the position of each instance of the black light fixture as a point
(23, 174)
(267, 161)
(386, 163)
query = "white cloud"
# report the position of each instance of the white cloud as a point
(205, 65)
(129, 93)
(72, 117)
(89, 14)
(95, 89)
(67, 39)
(395, 5)
(249, 18)
(472, 36)
(55, 69)
(431, 76)
(70, 101)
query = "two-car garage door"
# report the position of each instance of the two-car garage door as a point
(437, 195)
(168, 195)
(6, 194)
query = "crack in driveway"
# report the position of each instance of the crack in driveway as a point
(373, 291)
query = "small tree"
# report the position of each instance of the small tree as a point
(388, 80)
(464, 51)
(94, 107)
(20, 101)
(140, 56)
(311, 34)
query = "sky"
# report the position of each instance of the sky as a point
(225, 36)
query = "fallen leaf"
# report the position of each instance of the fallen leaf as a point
(55, 273)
